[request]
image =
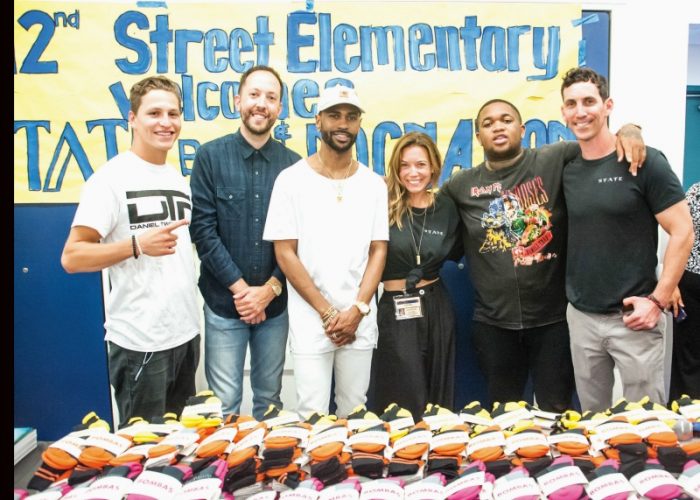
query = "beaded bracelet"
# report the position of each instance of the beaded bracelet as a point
(134, 247)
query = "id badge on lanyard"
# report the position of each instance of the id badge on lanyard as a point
(408, 306)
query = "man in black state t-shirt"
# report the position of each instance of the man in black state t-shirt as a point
(613, 239)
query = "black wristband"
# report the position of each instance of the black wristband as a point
(656, 301)
(133, 246)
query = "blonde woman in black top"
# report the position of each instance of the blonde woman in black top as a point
(414, 360)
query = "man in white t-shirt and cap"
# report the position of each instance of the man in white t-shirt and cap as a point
(329, 224)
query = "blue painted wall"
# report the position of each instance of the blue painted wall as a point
(60, 366)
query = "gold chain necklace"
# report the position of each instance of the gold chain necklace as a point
(341, 181)
(422, 231)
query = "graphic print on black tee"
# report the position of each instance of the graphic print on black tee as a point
(518, 221)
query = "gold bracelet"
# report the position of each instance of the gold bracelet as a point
(327, 322)
(328, 315)
(328, 319)
(329, 312)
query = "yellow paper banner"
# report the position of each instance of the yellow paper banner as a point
(416, 66)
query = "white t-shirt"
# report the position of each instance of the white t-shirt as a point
(333, 244)
(152, 303)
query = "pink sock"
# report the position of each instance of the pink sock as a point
(469, 492)
(666, 491)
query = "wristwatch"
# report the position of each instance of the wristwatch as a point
(275, 287)
(364, 308)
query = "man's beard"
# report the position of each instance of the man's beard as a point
(327, 137)
(260, 130)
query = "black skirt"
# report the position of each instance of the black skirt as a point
(413, 363)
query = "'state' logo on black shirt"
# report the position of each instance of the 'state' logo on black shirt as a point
(608, 180)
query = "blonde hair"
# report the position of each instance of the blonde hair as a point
(398, 194)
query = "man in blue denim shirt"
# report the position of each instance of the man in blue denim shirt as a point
(242, 285)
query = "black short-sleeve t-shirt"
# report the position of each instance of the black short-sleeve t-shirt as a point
(613, 232)
(435, 230)
(514, 234)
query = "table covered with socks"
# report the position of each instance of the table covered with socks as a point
(513, 451)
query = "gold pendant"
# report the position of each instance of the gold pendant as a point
(339, 198)
(418, 260)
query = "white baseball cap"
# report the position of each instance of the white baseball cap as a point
(340, 94)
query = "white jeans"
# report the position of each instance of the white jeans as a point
(313, 374)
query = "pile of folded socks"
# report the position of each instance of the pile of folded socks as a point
(470, 454)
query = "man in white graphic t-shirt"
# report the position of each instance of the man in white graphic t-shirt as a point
(130, 220)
